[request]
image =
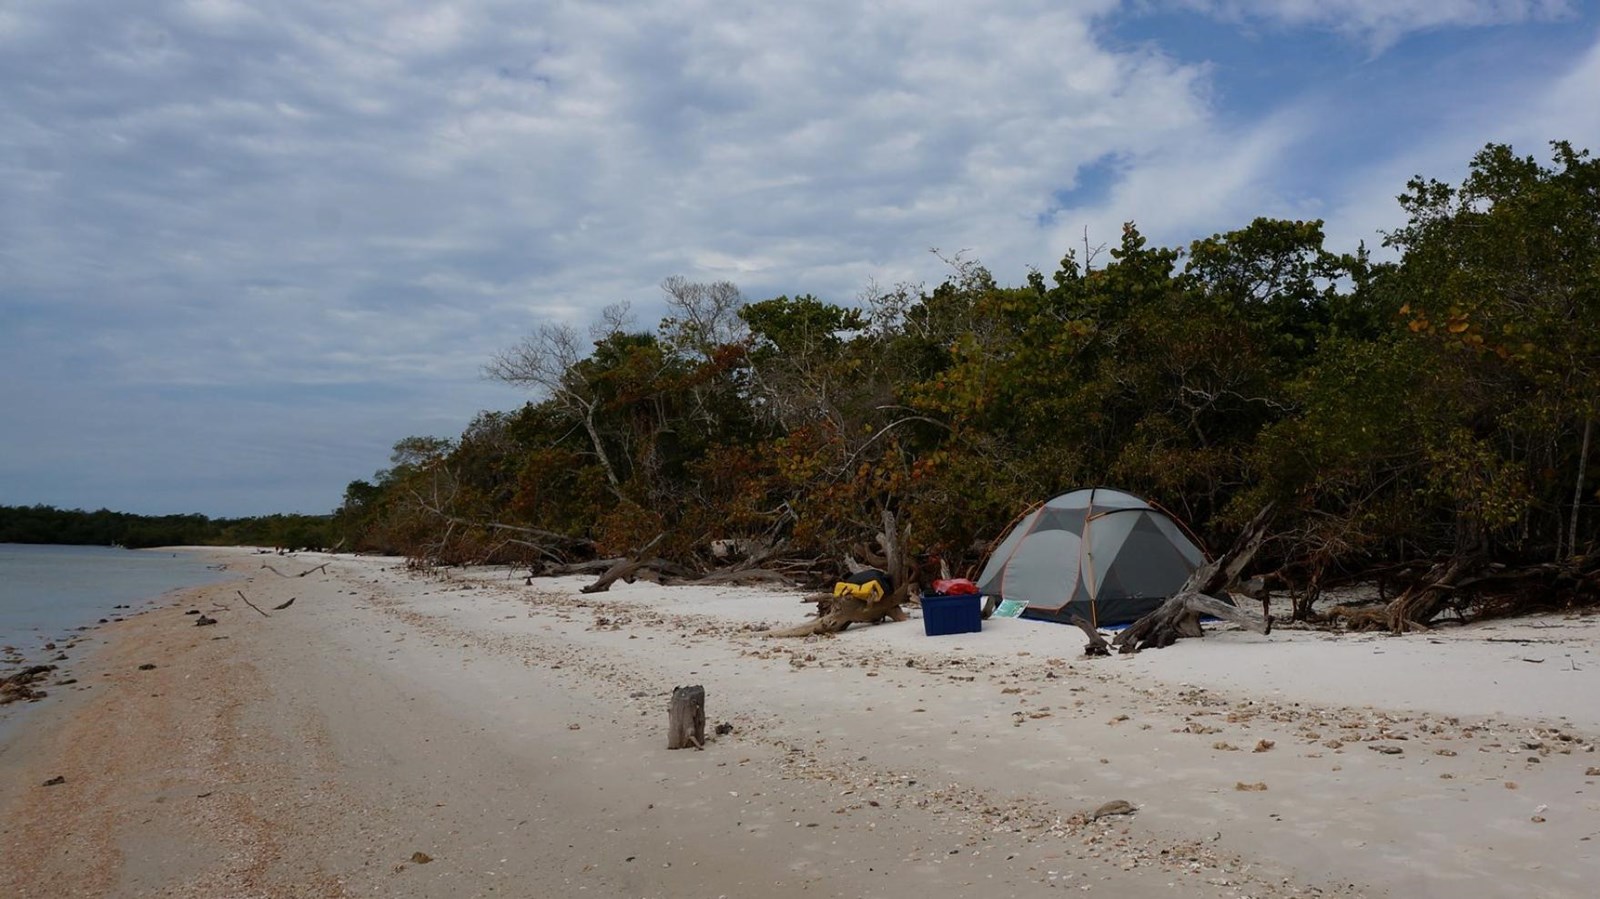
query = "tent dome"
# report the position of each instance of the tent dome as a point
(1102, 554)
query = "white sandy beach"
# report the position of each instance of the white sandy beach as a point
(515, 737)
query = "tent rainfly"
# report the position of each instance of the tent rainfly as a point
(1104, 555)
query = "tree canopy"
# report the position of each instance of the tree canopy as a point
(103, 527)
(1438, 402)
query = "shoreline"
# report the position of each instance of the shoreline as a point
(516, 734)
(63, 646)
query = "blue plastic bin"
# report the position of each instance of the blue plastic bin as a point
(955, 614)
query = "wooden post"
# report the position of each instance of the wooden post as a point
(686, 718)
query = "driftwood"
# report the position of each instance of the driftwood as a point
(1223, 572)
(544, 539)
(251, 604)
(1180, 616)
(593, 566)
(754, 552)
(748, 569)
(1097, 644)
(668, 569)
(744, 575)
(627, 570)
(1413, 609)
(624, 568)
(1413, 595)
(843, 611)
(322, 567)
(835, 613)
(1469, 582)
(642, 566)
(686, 718)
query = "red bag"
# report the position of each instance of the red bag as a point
(956, 586)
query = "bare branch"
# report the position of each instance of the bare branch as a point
(546, 361)
(251, 604)
(616, 318)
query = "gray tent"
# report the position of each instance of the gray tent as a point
(1101, 554)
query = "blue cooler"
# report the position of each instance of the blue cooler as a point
(960, 613)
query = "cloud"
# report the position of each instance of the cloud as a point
(1217, 176)
(245, 238)
(204, 197)
(1383, 22)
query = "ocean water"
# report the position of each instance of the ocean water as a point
(47, 592)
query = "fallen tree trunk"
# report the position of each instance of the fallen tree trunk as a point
(1223, 572)
(747, 570)
(1413, 609)
(1180, 615)
(624, 567)
(743, 575)
(660, 570)
(593, 566)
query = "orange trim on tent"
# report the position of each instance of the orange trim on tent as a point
(1006, 568)
(989, 550)
(1182, 526)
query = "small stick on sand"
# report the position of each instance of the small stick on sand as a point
(251, 604)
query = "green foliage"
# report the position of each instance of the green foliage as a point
(1422, 405)
(46, 524)
(803, 326)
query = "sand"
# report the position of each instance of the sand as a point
(403, 734)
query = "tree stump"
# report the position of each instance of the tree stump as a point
(686, 718)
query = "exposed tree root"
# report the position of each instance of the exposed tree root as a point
(1413, 609)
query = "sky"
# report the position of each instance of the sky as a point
(246, 247)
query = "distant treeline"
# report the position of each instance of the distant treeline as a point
(46, 524)
(1441, 402)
